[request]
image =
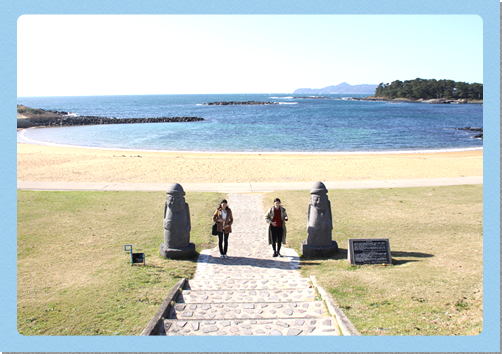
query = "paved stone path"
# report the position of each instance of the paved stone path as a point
(251, 187)
(251, 292)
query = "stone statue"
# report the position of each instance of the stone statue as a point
(176, 225)
(319, 221)
(319, 241)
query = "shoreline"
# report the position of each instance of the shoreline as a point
(20, 135)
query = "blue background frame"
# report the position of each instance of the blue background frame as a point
(488, 340)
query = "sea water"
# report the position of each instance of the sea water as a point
(292, 125)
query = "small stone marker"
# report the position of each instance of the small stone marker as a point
(369, 251)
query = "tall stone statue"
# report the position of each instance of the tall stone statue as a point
(177, 226)
(319, 241)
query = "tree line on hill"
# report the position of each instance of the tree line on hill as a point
(430, 89)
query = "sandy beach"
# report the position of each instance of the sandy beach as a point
(70, 164)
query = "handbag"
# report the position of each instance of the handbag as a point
(214, 232)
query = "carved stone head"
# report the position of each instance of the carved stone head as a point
(319, 199)
(175, 197)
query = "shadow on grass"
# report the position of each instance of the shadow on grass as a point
(343, 254)
(408, 254)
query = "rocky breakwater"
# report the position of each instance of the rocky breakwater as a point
(242, 103)
(91, 120)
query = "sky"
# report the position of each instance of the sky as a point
(87, 55)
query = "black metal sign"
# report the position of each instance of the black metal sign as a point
(135, 257)
(369, 251)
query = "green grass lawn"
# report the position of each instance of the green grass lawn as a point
(74, 277)
(435, 285)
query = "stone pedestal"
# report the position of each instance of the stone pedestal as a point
(178, 253)
(318, 252)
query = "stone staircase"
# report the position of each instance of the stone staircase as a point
(251, 292)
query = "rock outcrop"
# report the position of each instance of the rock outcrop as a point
(473, 129)
(232, 103)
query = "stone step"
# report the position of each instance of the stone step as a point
(254, 296)
(231, 274)
(281, 327)
(224, 284)
(248, 276)
(248, 310)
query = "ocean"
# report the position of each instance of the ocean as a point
(293, 125)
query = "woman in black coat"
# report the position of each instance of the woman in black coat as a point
(276, 218)
(224, 219)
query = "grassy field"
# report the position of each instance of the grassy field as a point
(74, 277)
(435, 285)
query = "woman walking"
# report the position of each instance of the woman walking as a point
(276, 218)
(224, 219)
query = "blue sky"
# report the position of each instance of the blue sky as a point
(67, 55)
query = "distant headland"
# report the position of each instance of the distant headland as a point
(416, 90)
(343, 88)
(423, 89)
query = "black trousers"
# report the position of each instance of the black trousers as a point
(276, 237)
(223, 242)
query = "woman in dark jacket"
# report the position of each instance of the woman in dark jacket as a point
(276, 218)
(224, 219)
